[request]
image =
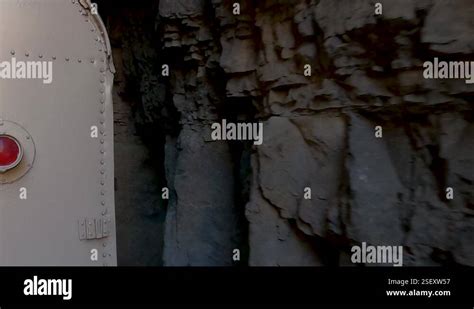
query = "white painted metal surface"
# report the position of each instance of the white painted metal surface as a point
(68, 174)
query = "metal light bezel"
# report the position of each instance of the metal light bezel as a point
(12, 173)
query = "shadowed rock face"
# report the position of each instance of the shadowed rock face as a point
(367, 71)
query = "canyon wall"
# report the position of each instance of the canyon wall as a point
(322, 76)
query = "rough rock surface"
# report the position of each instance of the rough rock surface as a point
(367, 71)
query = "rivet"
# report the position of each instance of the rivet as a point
(102, 203)
(79, 60)
(40, 56)
(67, 59)
(54, 57)
(12, 52)
(27, 54)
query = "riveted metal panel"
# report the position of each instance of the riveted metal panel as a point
(71, 179)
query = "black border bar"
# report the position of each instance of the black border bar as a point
(282, 286)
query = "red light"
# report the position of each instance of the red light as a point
(10, 153)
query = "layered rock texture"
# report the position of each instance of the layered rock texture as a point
(319, 128)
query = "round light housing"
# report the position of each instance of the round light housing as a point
(11, 153)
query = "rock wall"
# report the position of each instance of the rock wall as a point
(366, 71)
